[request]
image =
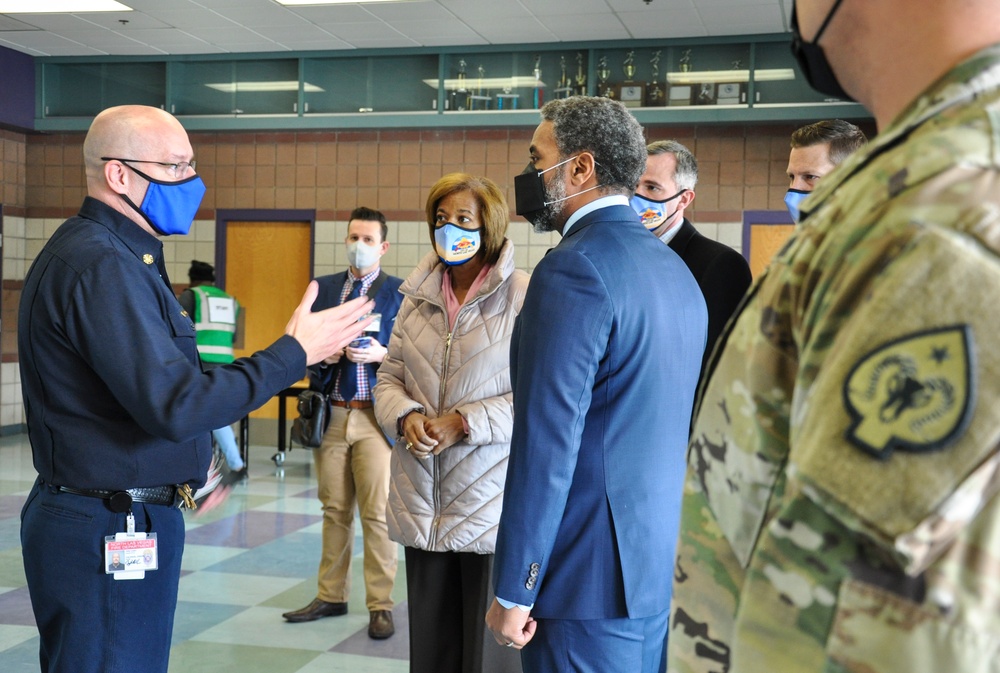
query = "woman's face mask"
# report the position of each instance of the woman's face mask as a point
(455, 245)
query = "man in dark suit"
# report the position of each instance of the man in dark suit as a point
(665, 190)
(604, 373)
(352, 463)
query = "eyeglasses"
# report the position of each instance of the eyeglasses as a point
(177, 170)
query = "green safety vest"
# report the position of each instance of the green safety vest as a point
(215, 323)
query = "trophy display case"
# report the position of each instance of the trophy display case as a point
(504, 81)
(778, 83)
(722, 80)
(676, 76)
(367, 84)
(234, 87)
(84, 89)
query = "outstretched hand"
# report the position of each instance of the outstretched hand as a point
(323, 333)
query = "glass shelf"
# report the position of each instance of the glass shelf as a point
(369, 84)
(234, 87)
(676, 76)
(510, 81)
(84, 89)
(666, 81)
(792, 89)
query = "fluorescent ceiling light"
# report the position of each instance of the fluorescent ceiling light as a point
(245, 87)
(335, 2)
(471, 84)
(699, 76)
(60, 6)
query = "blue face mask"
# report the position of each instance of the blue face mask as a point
(794, 197)
(653, 213)
(455, 245)
(170, 207)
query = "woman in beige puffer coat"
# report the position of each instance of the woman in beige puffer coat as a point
(444, 393)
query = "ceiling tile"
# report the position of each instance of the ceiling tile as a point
(513, 30)
(386, 42)
(586, 27)
(366, 29)
(10, 23)
(397, 11)
(662, 24)
(333, 13)
(191, 18)
(450, 29)
(49, 44)
(234, 25)
(327, 44)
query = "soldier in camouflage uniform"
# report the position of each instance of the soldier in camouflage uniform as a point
(839, 511)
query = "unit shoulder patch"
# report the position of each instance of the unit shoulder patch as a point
(912, 394)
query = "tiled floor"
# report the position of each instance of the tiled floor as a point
(244, 564)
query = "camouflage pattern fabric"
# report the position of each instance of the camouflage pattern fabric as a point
(839, 511)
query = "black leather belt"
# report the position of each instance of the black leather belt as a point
(121, 501)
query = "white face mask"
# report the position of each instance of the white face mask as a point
(362, 256)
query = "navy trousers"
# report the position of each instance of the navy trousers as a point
(88, 621)
(596, 645)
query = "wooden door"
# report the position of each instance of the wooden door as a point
(267, 270)
(765, 242)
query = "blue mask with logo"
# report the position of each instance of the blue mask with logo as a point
(170, 207)
(653, 213)
(794, 197)
(455, 245)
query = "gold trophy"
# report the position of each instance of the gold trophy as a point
(603, 73)
(654, 94)
(479, 100)
(563, 89)
(628, 67)
(537, 72)
(581, 76)
(461, 93)
(630, 93)
(685, 62)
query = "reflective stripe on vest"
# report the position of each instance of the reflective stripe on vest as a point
(215, 323)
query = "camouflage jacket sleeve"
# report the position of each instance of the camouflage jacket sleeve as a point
(839, 511)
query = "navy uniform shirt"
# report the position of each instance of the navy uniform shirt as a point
(113, 394)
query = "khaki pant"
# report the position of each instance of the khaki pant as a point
(352, 465)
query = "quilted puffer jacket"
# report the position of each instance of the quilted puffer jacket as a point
(452, 501)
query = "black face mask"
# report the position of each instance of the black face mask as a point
(529, 194)
(812, 61)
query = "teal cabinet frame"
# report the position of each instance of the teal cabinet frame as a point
(742, 79)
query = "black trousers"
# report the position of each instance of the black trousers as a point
(448, 594)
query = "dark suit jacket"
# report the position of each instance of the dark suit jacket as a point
(722, 274)
(387, 301)
(604, 371)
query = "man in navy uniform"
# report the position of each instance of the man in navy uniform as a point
(119, 411)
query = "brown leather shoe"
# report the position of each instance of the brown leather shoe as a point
(315, 610)
(380, 625)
